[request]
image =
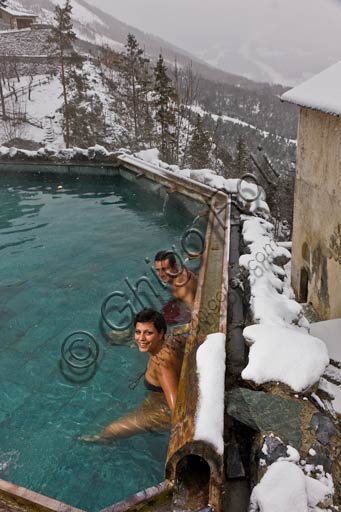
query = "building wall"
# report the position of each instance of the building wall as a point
(316, 262)
(15, 22)
(6, 18)
(24, 22)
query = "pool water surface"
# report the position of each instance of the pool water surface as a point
(65, 244)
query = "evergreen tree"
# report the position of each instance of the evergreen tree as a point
(86, 119)
(146, 119)
(222, 158)
(134, 73)
(3, 3)
(200, 146)
(223, 164)
(242, 161)
(164, 97)
(63, 36)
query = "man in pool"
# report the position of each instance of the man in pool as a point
(177, 312)
(161, 378)
(183, 284)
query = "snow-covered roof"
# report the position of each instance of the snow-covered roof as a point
(16, 12)
(321, 92)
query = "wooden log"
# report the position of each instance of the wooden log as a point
(182, 443)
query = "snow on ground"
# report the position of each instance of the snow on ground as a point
(198, 110)
(335, 389)
(285, 488)
(227, 119)
(45, 100)
(99, 39)
(295, 358)
(329, 332)
(83, 15)
(22, 85)
(209, 422)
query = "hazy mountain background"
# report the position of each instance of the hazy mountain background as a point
(96, 26)
(281, 41)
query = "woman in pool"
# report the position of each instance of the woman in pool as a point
(161, 378)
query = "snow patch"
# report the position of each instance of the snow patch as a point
(209, 422)
(271, 494)
(271, 301)
(284, 354)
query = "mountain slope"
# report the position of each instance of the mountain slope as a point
(231, 109)
(98, 27)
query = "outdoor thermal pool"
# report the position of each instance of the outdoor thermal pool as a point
(65, 244)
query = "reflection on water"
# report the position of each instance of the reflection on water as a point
(13, 206)
(8, 460)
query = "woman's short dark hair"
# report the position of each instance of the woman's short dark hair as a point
(150, 315)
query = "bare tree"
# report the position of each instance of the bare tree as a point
(32, 73)
(3, 76)
(14, 123)
(2, 98)
(63, 36)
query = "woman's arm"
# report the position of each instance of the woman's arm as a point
(169, 382)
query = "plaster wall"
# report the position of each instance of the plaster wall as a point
(6, 18)
(316, 252)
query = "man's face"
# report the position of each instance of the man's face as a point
(164, 270)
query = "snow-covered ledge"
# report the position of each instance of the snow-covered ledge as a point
(289, 362)
(281, 348)
(282, 351)
(96, 152)
(241, 188)
(209, 421)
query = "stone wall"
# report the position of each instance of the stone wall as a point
(25, 42)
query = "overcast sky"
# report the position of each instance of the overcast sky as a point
(310, 30)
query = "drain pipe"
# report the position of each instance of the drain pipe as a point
(236, 496)
(236, 348)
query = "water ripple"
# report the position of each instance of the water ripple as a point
(13, 244)
(38, 226)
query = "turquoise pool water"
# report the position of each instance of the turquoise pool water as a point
(65, 243)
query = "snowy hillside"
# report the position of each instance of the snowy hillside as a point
(216, 122)
(97, 27)
(42, 110)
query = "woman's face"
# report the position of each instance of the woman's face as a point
(147, 338)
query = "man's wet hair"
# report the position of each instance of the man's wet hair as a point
(150, 315)
(166, 255)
